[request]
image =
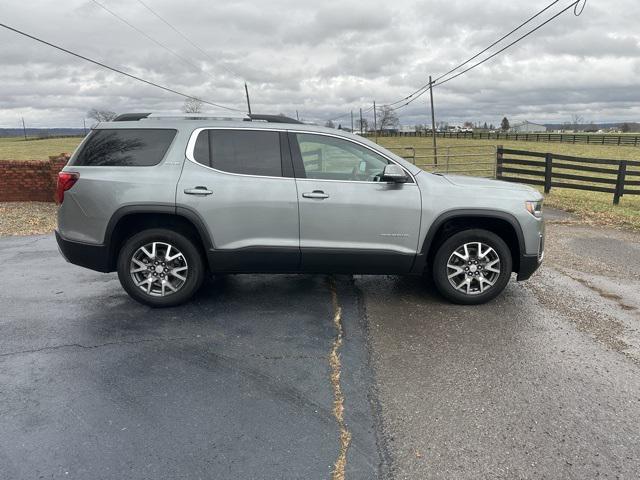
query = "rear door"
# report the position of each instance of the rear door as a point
(349, 220)
(240, 182)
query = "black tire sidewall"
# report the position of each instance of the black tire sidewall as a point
(189, 250)
(445, 250)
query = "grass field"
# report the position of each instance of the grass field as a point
(17, 148)
(592, 206)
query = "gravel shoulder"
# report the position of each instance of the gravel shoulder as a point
(27, 218)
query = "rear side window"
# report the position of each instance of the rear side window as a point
(248, 152)
(125, 147)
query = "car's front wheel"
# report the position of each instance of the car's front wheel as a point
(160, 268)
(472, 267)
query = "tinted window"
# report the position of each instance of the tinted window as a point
(330, 158)
(201, 148)
(240, 151)
(125, 147)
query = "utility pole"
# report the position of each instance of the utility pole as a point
(433, 124)
(84, 125)
(24, 129)
(351, 121)
(297, 116)
(375, 120)
(246, 90)
(361, 127)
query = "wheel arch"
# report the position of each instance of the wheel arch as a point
(130, 219)
(503, 224)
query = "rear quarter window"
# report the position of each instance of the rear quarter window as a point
(248, 152)
(135, 147)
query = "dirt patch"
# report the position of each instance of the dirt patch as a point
(27, 218)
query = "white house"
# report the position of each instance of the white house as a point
(527, 127)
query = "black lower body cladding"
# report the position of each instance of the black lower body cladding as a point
(94, 257)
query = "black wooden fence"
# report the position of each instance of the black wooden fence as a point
(579, 138)
(554, 170)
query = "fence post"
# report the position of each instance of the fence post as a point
(499, 157)
(548, 172)
(622, 173)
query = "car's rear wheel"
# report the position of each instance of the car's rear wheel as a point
(472, 267)
(160, 268)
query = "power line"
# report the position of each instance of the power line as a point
(192, 43)
(529, 20)
(116, 70)
(438, 81)
(149, 37)
(573, 5)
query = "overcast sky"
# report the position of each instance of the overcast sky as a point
(321, 58)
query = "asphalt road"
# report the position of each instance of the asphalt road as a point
(544, 382)
(235, 385)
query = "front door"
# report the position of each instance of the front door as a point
(349, 220)
(240, 182)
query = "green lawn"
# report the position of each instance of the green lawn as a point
(17, 148)
(592, 206)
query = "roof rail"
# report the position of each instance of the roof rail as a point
(273, 118)
(128, 117)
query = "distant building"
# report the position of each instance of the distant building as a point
(408, 129)
(527, 127)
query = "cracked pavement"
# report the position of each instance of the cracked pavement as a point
(234, 385)
(543, 383)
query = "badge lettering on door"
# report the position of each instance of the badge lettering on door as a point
(394, 235)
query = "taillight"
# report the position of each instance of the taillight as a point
(66, 180)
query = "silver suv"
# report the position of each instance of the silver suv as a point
(166, 201)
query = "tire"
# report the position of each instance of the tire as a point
(474, 280)
(158, 276)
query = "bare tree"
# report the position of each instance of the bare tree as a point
(387, 118)
(362, 127)
(101, 115)
(504, 125)
(576, 121)
(192, 105)
(330, 124)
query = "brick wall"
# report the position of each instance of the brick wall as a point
(30, 180)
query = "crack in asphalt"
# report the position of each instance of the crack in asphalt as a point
(89, 347)
(150, 340)
(338, 396)
(603, 293)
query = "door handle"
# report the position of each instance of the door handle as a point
(315, 194)
(199, 190)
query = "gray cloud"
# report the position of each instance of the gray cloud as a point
(322, 59)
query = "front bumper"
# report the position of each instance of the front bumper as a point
(528, 265)
(94, 257)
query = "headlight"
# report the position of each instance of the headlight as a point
(534, 208)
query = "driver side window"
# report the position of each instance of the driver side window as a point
(330, 158)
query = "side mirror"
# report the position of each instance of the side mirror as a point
(394, 173)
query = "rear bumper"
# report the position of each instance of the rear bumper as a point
(528, 265)
(94, 257)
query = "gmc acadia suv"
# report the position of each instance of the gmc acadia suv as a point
(165, 201)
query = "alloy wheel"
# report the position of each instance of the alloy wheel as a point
(159, 269)
(473, 268)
